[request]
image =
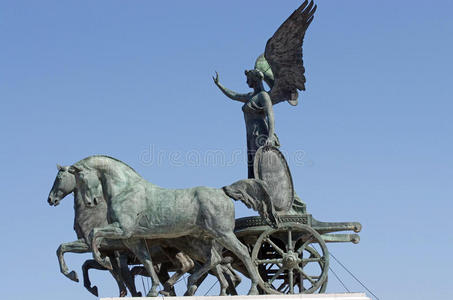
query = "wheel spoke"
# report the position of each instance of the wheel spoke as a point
(280, 271)
(307, 260)
(281, 286)
(276, 248)
(301, 283)
(309, 278)
(290, 240)
(301, 248)
(291, 281)
(270, 261)
(314, 257)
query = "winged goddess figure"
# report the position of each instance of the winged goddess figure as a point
(281, 67)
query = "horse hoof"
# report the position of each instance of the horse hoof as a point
(107, 264)
(139, 294)
(123, 293)
(152, 293)
(73, 276)
(168, 290)
(253, 291)
(191, 290)
(94, 291)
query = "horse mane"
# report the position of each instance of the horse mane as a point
(82, 161)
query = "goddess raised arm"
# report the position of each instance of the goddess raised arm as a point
(232, 94)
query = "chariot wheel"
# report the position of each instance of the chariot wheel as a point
(291, 259)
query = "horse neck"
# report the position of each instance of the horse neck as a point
(79, 207)
(87, 218)
(78, 204)
(111, 168)
(114, 175)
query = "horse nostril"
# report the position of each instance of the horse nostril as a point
(95, 201)
(49, 200)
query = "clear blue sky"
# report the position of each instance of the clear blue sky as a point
(126, 78)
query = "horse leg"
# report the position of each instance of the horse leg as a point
(185, 264)
(230, 241)
(230, 274)
(232, 277)
(127, 276)
(110, 231)
(116, 273)
(212, 260)
(78, 246)
(140, 249)
(168, 290)
(162, 274)
(90, 264)
(201, 278)
(218, 272)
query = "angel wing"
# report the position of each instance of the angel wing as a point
(283, 54)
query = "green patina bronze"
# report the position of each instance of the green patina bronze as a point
(126, 220)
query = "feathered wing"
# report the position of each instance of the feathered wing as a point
(284, 55)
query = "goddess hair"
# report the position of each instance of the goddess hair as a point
(255, 74)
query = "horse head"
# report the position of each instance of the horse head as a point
(88, 184)
(63, 185)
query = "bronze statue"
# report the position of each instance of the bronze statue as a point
(124, 219)
(281, 67)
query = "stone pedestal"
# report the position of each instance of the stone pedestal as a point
(348, 296)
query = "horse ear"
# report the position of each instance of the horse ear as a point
(59, 168)
(74, 170)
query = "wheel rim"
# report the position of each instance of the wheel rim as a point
(291, 259)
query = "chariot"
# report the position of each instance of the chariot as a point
(291, 257)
